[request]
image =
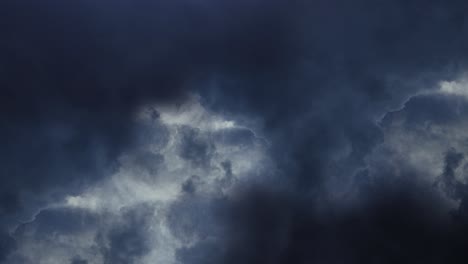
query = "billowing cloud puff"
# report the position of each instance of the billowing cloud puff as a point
(161, 198)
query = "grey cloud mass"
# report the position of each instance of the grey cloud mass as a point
(154, 204)
(260, 131)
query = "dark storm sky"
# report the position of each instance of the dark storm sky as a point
(310, 131)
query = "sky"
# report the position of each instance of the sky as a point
(248, 131)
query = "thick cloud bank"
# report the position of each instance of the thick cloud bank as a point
(249, 131)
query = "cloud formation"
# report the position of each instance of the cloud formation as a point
(321, 131)
(158, 201)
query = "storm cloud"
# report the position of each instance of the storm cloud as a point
(219, 132)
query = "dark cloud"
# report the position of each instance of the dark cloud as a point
(452, 162)
(272, 227)
(393, 225)
(455, 188)
(42, 237)
(59, 233)
(198, 218)
(7, 245)
(395, 212)
(362, 59)
(73, 74)
(195, 148)
(191, 184)
(358, 62)
(78, 260)
(127, 242)
(433, 109)
(319, 74)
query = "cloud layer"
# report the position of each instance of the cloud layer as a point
(249, 132)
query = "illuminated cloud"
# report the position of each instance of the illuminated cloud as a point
(133, 212)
